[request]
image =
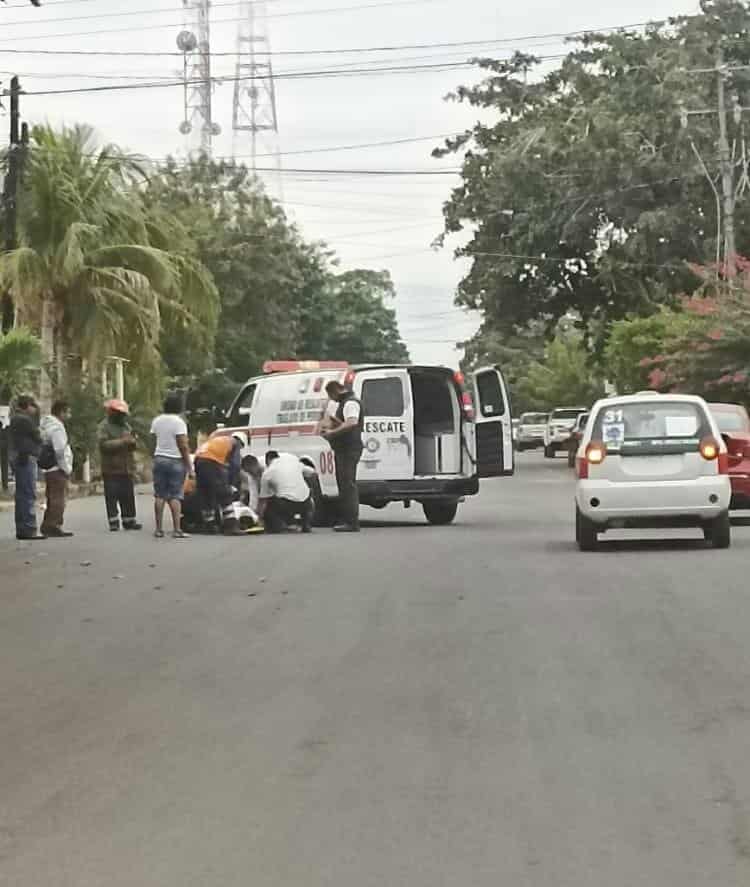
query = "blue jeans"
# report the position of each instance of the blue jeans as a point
(25, 473)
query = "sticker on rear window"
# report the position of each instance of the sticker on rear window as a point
(613, 433)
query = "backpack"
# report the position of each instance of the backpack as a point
(47, 458)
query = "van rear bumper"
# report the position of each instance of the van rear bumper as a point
(418, 488)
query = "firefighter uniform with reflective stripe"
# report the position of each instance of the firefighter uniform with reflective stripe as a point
(217, 470)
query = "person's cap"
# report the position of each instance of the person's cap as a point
(117, 406)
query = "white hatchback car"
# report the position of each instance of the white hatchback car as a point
(652, 460)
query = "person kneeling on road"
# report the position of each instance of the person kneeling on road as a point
(284, 493)
(217, 472)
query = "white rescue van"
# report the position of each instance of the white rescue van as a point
(425, 438)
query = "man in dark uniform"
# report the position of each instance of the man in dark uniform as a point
(25, 443)
(342, 427)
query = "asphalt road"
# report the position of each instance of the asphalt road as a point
(470, 705)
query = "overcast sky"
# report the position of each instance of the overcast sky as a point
(371, 221)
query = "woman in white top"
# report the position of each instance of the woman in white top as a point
(171, 464)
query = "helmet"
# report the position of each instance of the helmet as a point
(117, 406)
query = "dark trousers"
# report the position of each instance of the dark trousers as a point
(119, 497)
(346, 478)
(214, 492)
(57, 489)
(280, 513)
(25, 474)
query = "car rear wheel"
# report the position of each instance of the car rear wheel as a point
(440, 513)
(719, 531)
(549, 452)
(587, 535)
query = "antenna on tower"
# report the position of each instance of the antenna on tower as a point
(195, 46)
(254, 108)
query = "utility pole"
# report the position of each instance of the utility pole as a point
(727, 199)
(727, 174)
(10, 189)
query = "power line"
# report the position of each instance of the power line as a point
(500, 41)
(107, 15)
(302, 12)
(288, 75)
(327, 150)
(128, 75)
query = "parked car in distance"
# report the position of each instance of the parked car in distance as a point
(531, 430)
(734, 425)
(559, 425)
(575, 438)
(652, 460)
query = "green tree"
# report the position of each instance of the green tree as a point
(86, 274)
(708, 351)
(634, 343)
(586, 194)
(349, 319)
(262, 267)
(281, 296)
(20, 355)
(564, 378)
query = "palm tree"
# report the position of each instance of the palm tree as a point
(19, 355)
(87, 274)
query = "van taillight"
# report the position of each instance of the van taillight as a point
(582, 468)
(467, 404)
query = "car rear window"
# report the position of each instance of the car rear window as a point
(533, 418)
(565, 414)
(731, 420)
(666, 423)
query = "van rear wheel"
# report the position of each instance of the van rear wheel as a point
(440, 513)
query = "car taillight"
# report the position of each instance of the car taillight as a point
(596, 453)
(709, 449)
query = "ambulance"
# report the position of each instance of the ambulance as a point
(428, 437)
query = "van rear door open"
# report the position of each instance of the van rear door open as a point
(388, 435)
(494, 429)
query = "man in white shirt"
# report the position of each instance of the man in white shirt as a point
(55, 435)
(284, 493)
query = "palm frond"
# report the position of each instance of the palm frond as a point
(24, 273)
(154, 264)
(20, 352)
